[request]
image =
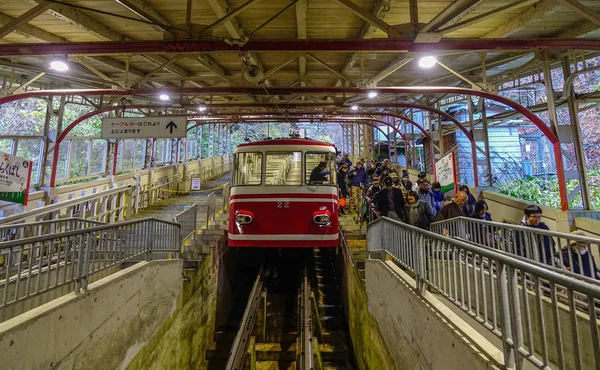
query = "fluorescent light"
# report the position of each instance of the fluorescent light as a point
(202, 108)
(59, 64)
(372, 95)
(354, 107)
(427, 62)
(163, 97)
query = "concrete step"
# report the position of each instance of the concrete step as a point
(336, 365)
(333, 353)
(275, 365)
(275, 351)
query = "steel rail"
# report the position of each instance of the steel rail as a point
(237, 355)
(306, 357)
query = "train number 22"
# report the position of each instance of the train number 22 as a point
(283, 204)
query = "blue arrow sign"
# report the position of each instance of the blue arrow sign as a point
(170, 126)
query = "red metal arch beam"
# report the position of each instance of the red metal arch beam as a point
(378, 45)
(91, 114)
(283, 91)
(365, 120)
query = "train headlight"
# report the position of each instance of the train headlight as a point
(244, 218)
(322, 218)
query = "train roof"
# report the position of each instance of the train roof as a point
(286, 141)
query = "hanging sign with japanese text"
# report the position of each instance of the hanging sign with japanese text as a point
(445, 173)
(15, 178)
(144, 127)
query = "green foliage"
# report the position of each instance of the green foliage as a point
(544, 191)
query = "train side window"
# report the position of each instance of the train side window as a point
(283, 168)
(248, 169)
(319, 168)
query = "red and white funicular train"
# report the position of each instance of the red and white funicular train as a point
(284, 195)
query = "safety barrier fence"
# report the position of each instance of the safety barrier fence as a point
(163, 188)
(556, 249)
(188, 221)
(32, 266)
(542, 315)
(39, 228)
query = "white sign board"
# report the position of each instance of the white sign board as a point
(195, 183)
(15, 177)
(144, 127)
(445, 173)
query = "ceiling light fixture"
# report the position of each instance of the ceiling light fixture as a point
(354, 107)
(202, 108)
(163, 97)
(372, 95)
(427, 62)
(59, 64)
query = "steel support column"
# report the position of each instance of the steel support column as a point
(558, 157)
(486, 144)
(577, 141)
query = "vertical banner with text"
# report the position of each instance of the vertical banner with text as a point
(15, 178)
(445, 172)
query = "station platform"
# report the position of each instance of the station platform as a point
(410, 299)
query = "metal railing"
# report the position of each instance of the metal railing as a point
(556, 249)
(542, 315)
(32, 266)
(39, 228)
(226, 195)
(105, 206)
(188, 219)
(211, 208)
(163, 188)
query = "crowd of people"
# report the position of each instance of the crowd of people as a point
(375, 189)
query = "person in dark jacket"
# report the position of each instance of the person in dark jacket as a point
(342, 183)
(358, 179)
(346, 160)
(579, 257)
(469, 207)
(319, 174)
(454, 209)
(389, 201)
(405, 182)
(545, 245)
(425, 194)
(482, 233)
(438, 196)
(384, 169)
(481, 211)
(418, 212)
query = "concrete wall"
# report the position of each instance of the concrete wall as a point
(181, 340)
(98, 329)
(589, 226)
(368, 344)
(508, 209)
(421, 332)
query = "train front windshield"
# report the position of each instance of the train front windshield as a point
(284, 168)
(319, 168)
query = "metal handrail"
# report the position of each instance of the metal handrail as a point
(545, 246)
(509, 296)
(188, 221)
(32, 266)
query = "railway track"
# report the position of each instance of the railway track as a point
(293, 318)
